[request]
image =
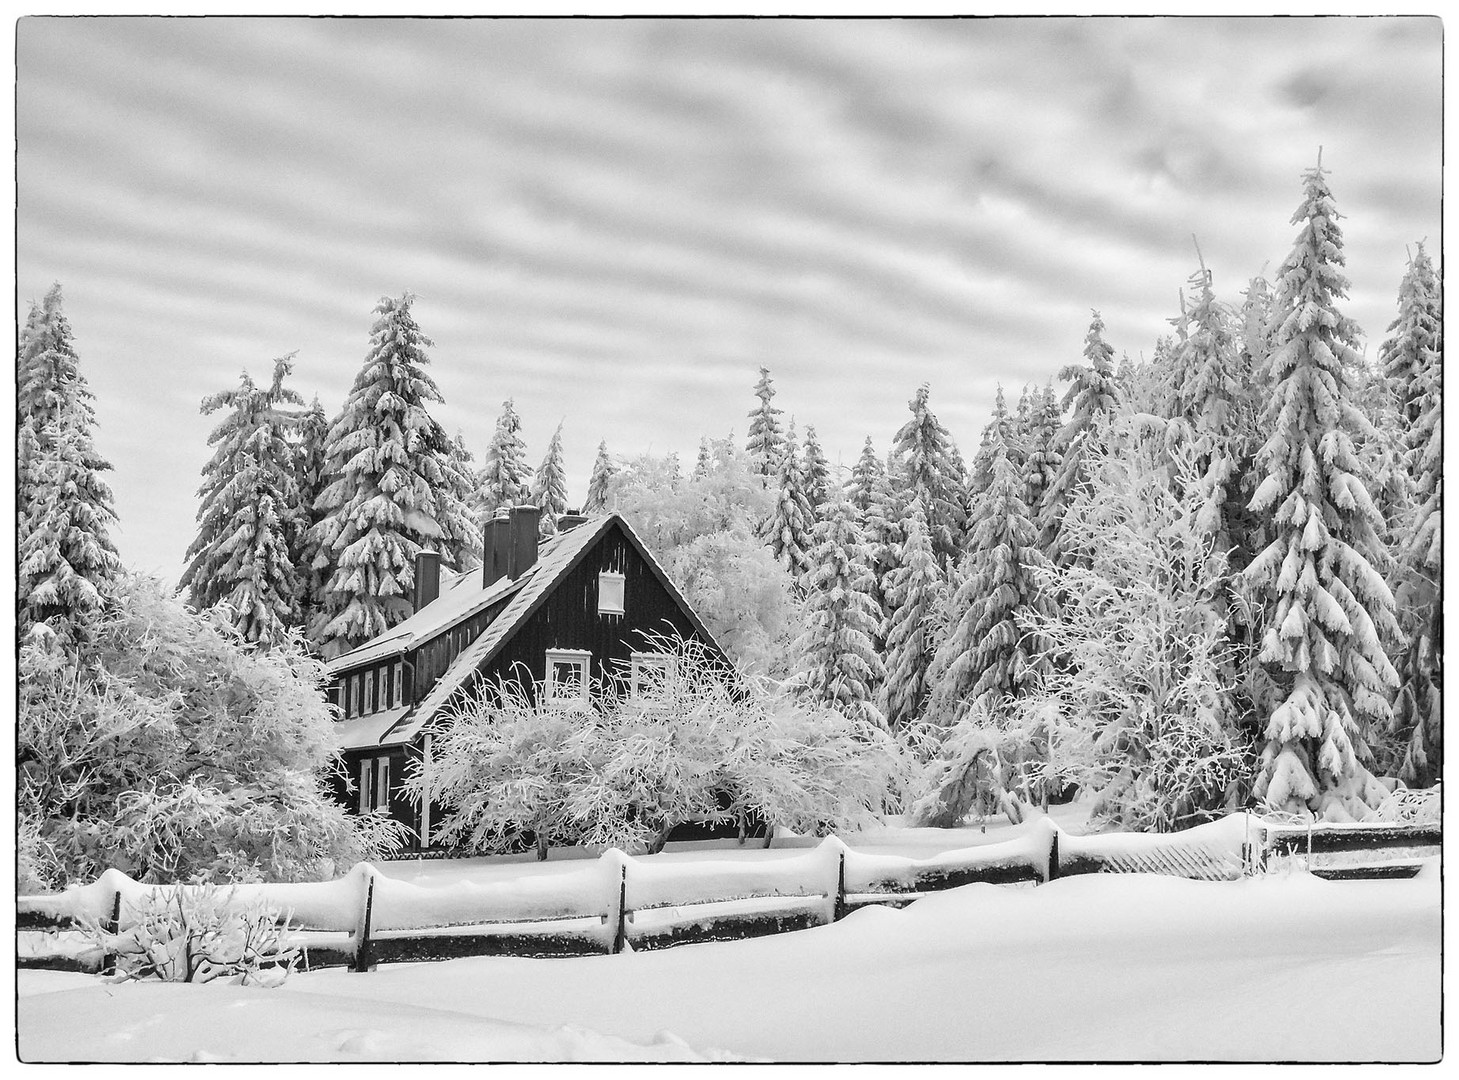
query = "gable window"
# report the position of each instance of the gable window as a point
(650, 673)
(567, 674)
(610, 594)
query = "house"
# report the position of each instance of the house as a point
(582, 607)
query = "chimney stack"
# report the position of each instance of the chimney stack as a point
(570, 519)
(427, 578)
(510, 544)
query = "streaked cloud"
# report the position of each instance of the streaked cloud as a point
(616, 222)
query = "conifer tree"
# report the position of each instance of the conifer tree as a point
(1093, 396)
(249, 511)
(1327, 608)
(766, 444)
(388, 464)
(310, 433)
(1002, 430)
(985, 656)
(884, 527)
(914, 590)
(1043, 453)
(862, 483)
(599, 481)
(933, 474)
(704, 463)
(1411, 356)
(504, 479)
(66, 561)
(461, 537)
(788, 528)
(815, 471)
(837, 661)
(549, 486)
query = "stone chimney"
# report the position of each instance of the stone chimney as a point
(510, 544)
(569, 520)
(427, 578)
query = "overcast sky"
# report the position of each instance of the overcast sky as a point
(616, 223)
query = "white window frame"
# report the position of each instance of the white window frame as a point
(641, 661)
(578, 657)
(371, 703)
(605, 605)
(367, 770)
(382, 783)
(398, 684)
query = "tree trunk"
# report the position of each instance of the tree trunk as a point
(769, 833)
(541, 848)
(656, 845)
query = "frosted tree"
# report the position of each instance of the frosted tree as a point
(1000, 431)
(599, 483)
(1093, 395)
(1412, 356)
(389, 464)
(883, 525)
(1044, 457)
(932, 472)
(505, 478)
(838, 664)
(250, 509)
(913, 591)
(766, 443)
(310, 433)
(786, 531)
(65, 557)
(1327, 608)
(815, 471)
(862, 483)
(986, 656)
(549, 486)
(704, 462)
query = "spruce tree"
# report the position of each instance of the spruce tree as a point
(815, 471)
(766, 444)
(388, 463)
(249, 513)
(837, 661)
(862, 483)
(461, 537)
(704, 463)
(1001, 430)
(787, 530)
(1412, 356)
(504, 479)
(986, 656)
(310, 433)
(1044, 458)
(66, 562)
(1092, 397)
(914, 590)
(933, 474)
(1327, 608)
(598, 483)
(549, 486)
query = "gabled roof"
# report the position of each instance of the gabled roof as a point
(557, 559)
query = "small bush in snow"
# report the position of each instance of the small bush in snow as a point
(197, 933)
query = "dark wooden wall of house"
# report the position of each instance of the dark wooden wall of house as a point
(569, 619)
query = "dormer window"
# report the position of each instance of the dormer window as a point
(567, 674)
(610, 594)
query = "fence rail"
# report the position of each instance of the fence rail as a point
(618, 903)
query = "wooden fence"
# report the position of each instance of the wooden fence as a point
(617, 903)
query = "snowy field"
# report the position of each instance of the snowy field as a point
(1107, 967)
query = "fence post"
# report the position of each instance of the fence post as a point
(1053, 870)
(839, 911)
(109, 960)
(362, 934)
(621, 934)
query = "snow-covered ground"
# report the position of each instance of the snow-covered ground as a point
(1103, 967)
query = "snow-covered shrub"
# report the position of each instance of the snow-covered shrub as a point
(197, 933)
(173, 751)
(986, 763)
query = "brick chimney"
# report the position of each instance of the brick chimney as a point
(427, 578)
(569, 520)
(510, 544)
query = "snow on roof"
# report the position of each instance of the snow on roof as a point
(361, 731)
(460, 598)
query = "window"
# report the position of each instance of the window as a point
(567, 674)
(365, 772)
(610, 594)
(374, 784)
(399, 681)
(649, 672)
(382, 782)
(369, 705)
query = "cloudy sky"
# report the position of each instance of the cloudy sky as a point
(615, 223)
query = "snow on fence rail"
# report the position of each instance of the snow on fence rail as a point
(617, 902)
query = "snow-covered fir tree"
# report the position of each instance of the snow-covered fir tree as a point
(388, 463)
(1000, 431)
(249, 514)
(704, 462)
(766, 444)
(1044, 458)
(862, 482)
(310, 433)
(600, 481)
(837, 661)
(549, 486)
(505, 479)
(787, 531)
(815, 471)
(932, 473)
(65, 556)
(986, 656)
(1412, 357)
(883, 525)
(1093, 395)
(461, 538)
(1328, 609)
(913, 590)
